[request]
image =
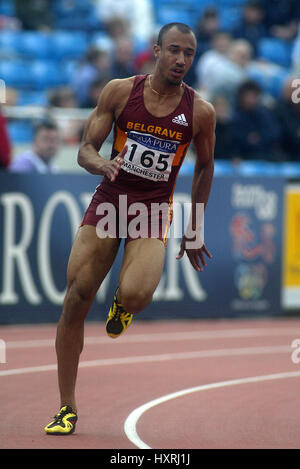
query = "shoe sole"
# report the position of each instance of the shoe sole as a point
(60, 433)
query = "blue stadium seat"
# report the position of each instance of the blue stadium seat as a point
(66, 44)
(78, 23)
(10, 42)
(75, 15)
(35, 44)
(275, 50)
(170, 15)
(233, 3)
(20, 131)
(7, 8)
(47, 74)
(17, 74)
(230, 17)
(270, 82)
(32, 98)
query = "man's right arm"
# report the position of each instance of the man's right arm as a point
(96, 131)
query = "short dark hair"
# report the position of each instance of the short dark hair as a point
(46, 123)
(249, 85)
(183, 28)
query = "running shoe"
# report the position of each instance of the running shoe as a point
(118, 320)
(64, 422)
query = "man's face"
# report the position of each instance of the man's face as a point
(250, 100)
(175, 56)
(46, 143)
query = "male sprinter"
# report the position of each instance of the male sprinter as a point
(155, 117)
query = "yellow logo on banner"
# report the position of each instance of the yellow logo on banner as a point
(291, 267)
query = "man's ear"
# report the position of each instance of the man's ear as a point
(156, 49)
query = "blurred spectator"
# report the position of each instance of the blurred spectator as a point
(138, 14)
(252, 27)
(225, 145)
(205, 31)
(97, 63)
(223, 76)
(296, 55)
(281, 17)
(144, 60)
(34, 14)
(64, 97)
(288, 112)
(45, 146)
(212, 60)
(95, 91)
(123, 60)
(256, 129)
(5, 144)
(117, 27)
(10, 23)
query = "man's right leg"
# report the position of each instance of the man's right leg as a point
(90, 260)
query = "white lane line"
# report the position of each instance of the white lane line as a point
(166, 337)
(133, 418)
(157, 358)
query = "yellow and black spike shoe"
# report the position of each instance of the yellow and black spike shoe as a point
(64, 422)
(118, 319)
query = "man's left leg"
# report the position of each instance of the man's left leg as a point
(140, 274)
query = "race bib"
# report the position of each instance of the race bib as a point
(149, 157)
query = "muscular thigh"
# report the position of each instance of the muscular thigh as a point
(142, 265)
(90, 260)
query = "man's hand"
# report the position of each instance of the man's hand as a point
(196, 256)
(111, 168)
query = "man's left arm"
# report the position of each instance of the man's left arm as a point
(204, 144)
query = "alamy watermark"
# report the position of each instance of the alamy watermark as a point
(296, 92)
(296, 353)
(2, 351)
(140, 220)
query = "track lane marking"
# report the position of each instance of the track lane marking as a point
(133, 418)
(157, 358)
(165, 337)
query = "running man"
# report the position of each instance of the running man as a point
(155, 118)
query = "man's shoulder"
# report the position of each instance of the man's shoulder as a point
(116, 91)
(120, 85)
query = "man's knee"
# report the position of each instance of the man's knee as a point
(134, 300)
(77, 303)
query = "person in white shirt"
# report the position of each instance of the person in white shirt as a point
(39, 159)
(138, 14)
(224, 74)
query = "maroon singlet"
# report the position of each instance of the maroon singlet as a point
(156, 149)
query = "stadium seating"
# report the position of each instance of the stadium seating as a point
(275, 50)
(47, 74)
(7, 7)
(68, 44)
(34, 44)
(20, 131)
(75, 15)
(35, 61)
(271, 81)
(32, 98)
(16, 73)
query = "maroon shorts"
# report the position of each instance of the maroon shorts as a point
(120, 216)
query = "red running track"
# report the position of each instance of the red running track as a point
(153, 360)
